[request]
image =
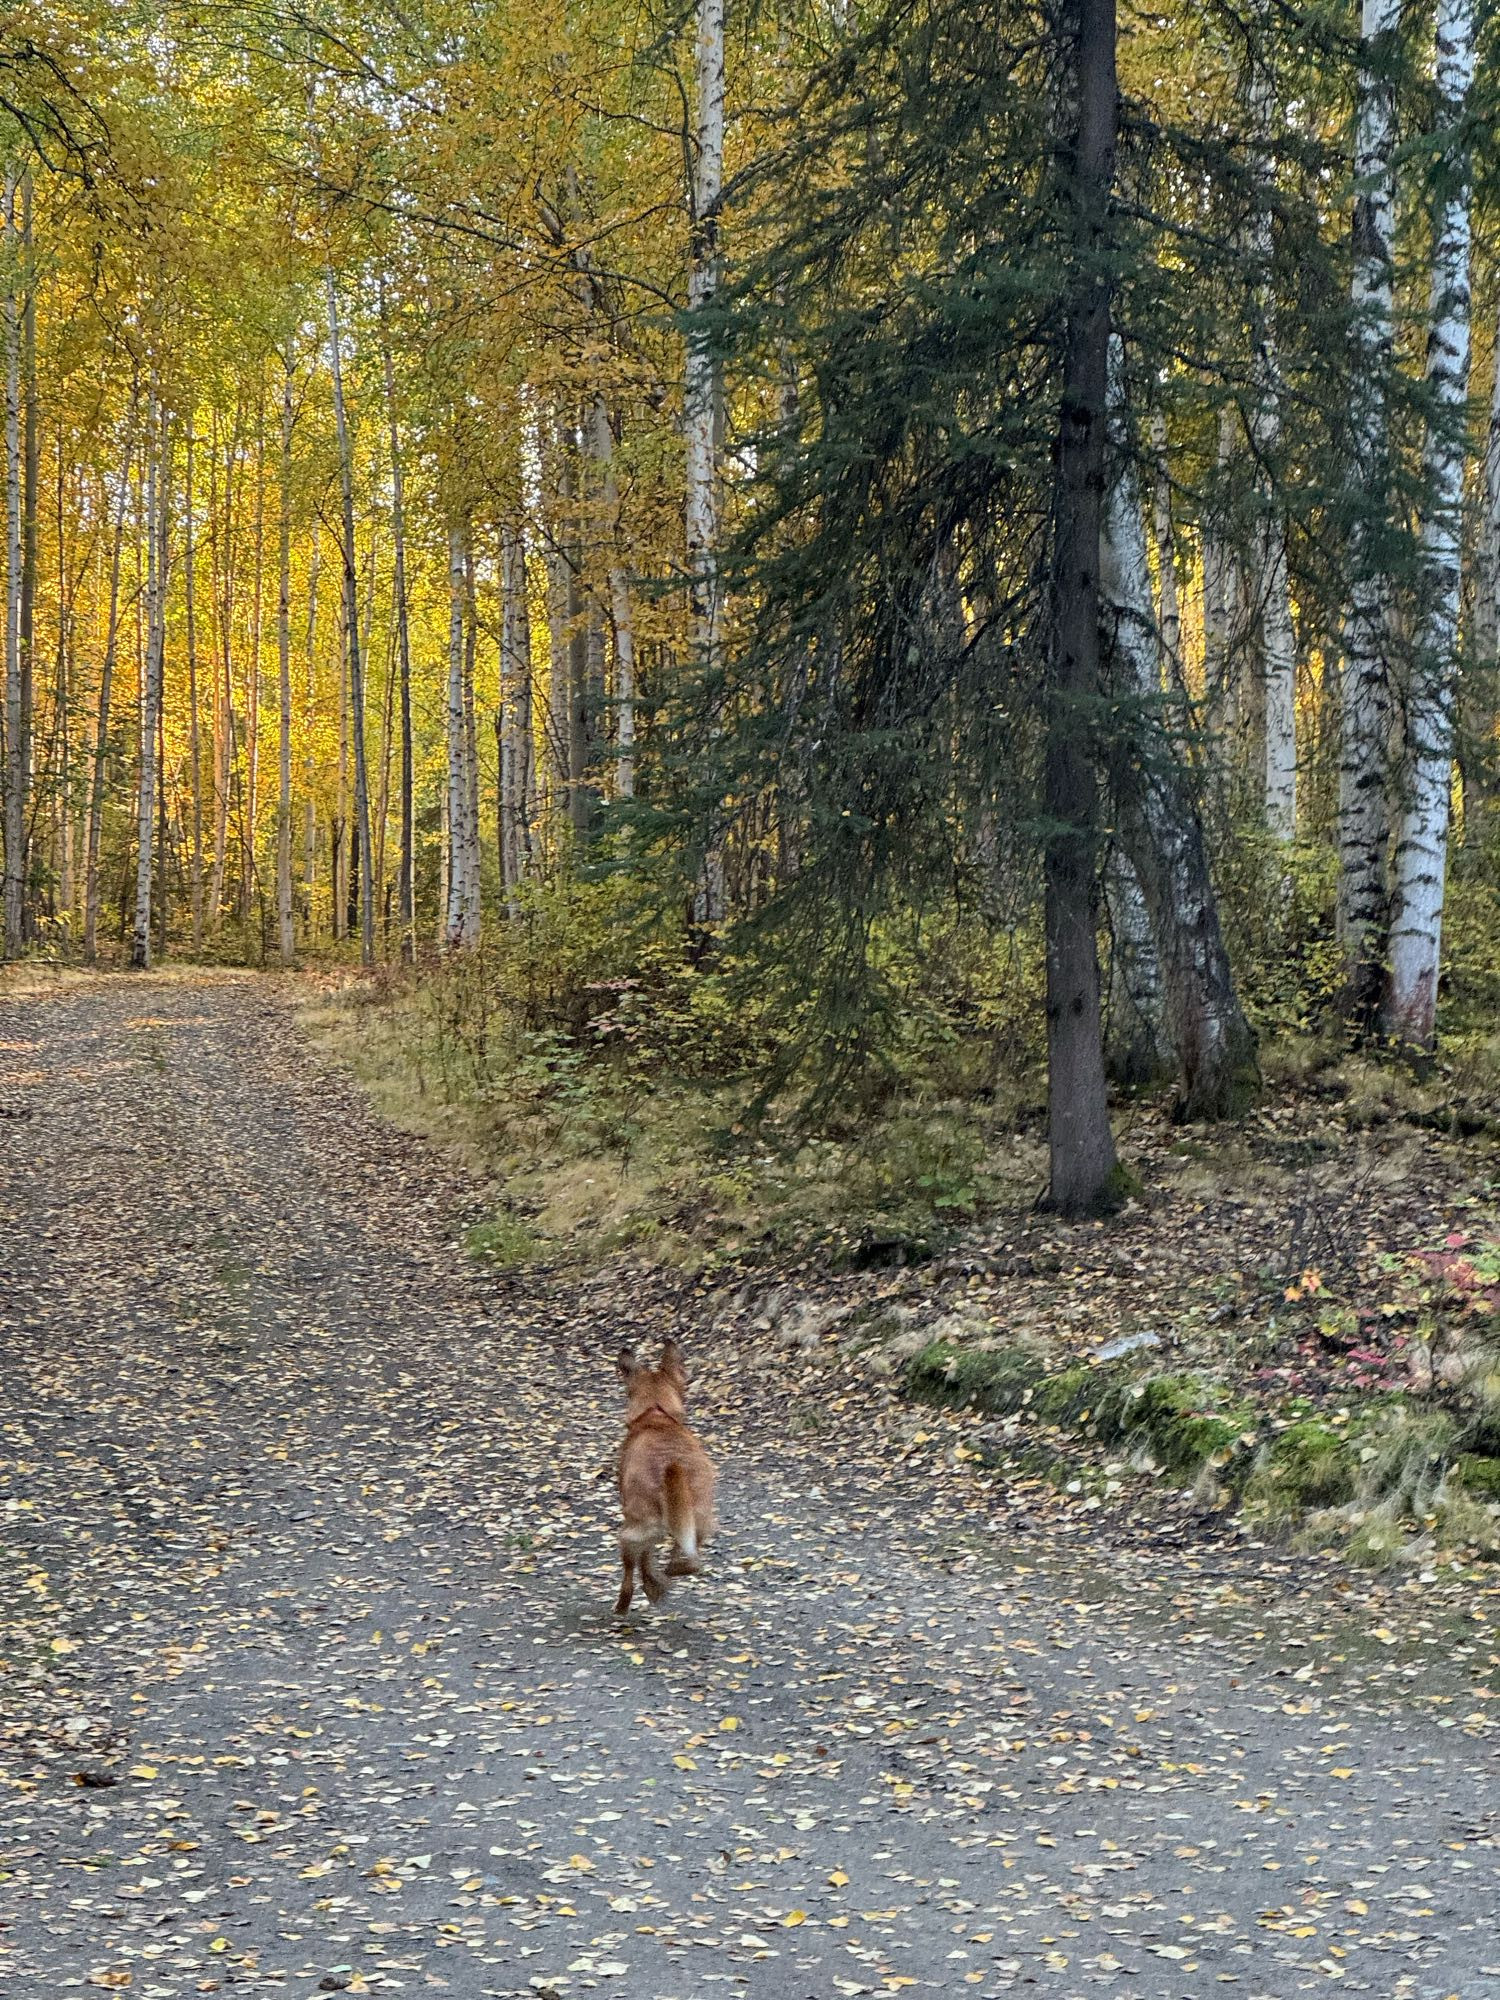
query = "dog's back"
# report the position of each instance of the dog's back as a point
(666, 1478)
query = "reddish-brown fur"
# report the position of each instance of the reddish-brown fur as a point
(666, 1478)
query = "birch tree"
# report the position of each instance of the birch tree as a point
(401, 609)
(16, 753)
(1364, 680)
(351, 635)
(461, 930)
(1272, 588)
(158, 475)
(1421, 859)
(701, 400)
(1159, 821)
(514, 720)
(285, 938)
(93, 833)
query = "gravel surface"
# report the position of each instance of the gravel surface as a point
(311, 1682)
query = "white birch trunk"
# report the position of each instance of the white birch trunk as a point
(15, 745)
(1487, 573)
(515, 737)
(471, 754)
(1137, 1045)
(1169, 620)
(361, 830)
(461, 929)
(1159, 821)
(1364, 684)
(195, 730)
(94, 833)
(1272, 590)
(286, 940)
(406, 880)
(157, 473)
(309, 759)
(602, 448)
(1421, 861)
(1220, 601)
(701, 397)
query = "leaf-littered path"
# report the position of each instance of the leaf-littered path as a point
(311, 1683)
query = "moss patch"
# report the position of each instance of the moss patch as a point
(997, 1379)
(1307, 1465)
(1477, 1475)
(1185, 1422)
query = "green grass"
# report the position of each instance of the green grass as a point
(503, 1242)
(603, 1153)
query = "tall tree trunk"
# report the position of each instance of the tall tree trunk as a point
(1170, 620)
(702, 417)
(1221, 593)
(471, 742)
(224, 749)
(1272, 594)
(351, 636)
(309, 761)
(460, 932)
(158, 473)
(163, 856)
(582, 798)
(1481, 687)
(64, 709)
(195, 733)
(513, 722)
(1082, 1147)
(1421, 862)
(250, 821)
(285, 935)
(339, 869)
(30, 482)
(1137, 1045)
(383, 794)
(558, 504)
(1159, 820)
(405, 894)
(102, 715)
(16, 751)
(603, 446)
(1363, 910)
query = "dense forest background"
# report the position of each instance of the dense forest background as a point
(824, 549)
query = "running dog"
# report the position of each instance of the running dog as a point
(666, 1478)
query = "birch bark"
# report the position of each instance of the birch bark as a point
(94, 834)
(351, 637)
(701, 403)
(285, 939)
(1409, 1013)
(15, 741)
(461, 930)
(1159, 820)
(158, 471)
(1364, 682)
(1272, 589)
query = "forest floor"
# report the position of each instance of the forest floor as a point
(311, 1683)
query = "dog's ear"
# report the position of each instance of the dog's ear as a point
(671, 1363)
(626, 1363)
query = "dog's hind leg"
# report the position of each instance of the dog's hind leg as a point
(627, 1587)
(652, 1577)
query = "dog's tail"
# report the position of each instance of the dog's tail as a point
(682, 1523)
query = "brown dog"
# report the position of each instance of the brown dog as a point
(666, 1478)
